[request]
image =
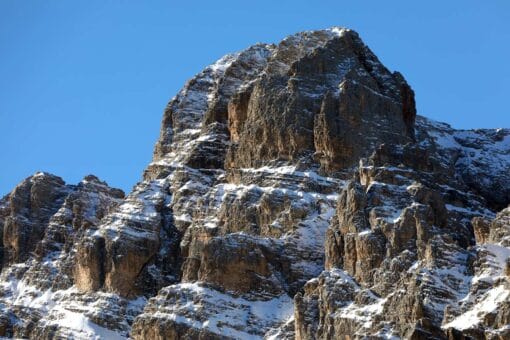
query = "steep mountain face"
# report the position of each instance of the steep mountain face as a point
(293, 194)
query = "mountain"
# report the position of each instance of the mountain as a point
(293, 194)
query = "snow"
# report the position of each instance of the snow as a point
(445, 140)
(223, 63)
(311, 232)
(66, 309)
(365, 232)
(277, 333)
(291, 170)
(488, 303)
(460, 209)
(183, 217)
(342, 276)
(39, 174)
(225, 314)
(339, 31)
(496, 263)
(81, 324)
(480, 301)
(362, 313)
(288, 169)
(137, 216)
(480, 151)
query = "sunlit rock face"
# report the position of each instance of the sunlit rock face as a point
(293, 194)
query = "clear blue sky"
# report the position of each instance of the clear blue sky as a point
(83, 83)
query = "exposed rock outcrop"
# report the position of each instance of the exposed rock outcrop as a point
(293, 194)
(27, 211)
(29, 289)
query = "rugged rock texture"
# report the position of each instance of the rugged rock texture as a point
(293, 193)
(27, 209)
(37, 294)
(489, 286)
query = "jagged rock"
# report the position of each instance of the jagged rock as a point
(194, 310)
(397, 233)
(29, 208)
(321, 89)
(235, 264)
(34, 286)
(89, 272)
(293, 194)
(485, 311)
(481, 228)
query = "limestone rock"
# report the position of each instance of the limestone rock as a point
(28, 210)
(293, 194)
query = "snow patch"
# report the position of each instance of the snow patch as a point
(487, 304)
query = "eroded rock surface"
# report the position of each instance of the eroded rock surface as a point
(293, 194)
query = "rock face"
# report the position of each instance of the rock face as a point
(27, 209)
(293, 194)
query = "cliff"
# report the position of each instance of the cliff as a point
(293, 194)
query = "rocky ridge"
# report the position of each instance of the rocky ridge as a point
(293, 193)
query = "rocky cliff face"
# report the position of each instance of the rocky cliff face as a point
(293, 194)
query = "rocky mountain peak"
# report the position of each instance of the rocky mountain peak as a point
(293, 194)
(93, 183)
(307, 97)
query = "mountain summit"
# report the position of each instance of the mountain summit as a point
(293, 194)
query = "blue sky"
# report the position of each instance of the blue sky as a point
(83, 83)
